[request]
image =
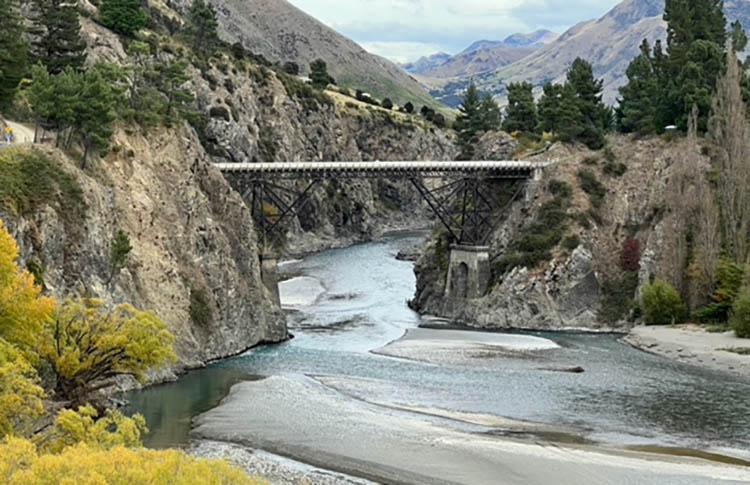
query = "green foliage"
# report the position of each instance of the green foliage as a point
(86, 426)
(14, 51)
(319, 74)
(571, 243)
(639, 99)
(409, 107)
(311, 98)
(86, 344)
(740, 319)
(729, 280)
(477, 115)
(56, 35)
(618, 297)
(123, 16)
(662, 304)
(739, 36)
(663, 88)
(535, 242)
(201, 31)
(520, 115)
(119, 253)
(201, 313)
(387, 103)
(614, 169)
(591, 185)
(29, 180)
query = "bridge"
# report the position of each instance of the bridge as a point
(467, 197)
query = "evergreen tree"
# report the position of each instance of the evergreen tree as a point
(469, 122)
(639, 98)
(13, 53)
(594, 118)
(696, 44)
(739, 37)
(319, 74)
(96, 110)
(521, 114)
(550, 106)
(202, 28)
(123, 16)
(491, 115)
(56, 35)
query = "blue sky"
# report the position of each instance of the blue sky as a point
(407, 29)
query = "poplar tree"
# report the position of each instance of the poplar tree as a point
(56, 35)
(14, 51)
(521, 113)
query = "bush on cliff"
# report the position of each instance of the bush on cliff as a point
(662, 304)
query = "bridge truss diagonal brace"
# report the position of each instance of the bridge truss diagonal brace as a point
(288, 202)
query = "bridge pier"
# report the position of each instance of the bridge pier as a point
(269, 271)
(468, 272)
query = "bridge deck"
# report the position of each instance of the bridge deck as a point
(503, 169)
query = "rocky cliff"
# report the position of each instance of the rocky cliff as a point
(579, 284)
(192, 238)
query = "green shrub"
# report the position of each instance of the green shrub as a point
(589, 184)
(662, 304)
(572, 242)
(617, 297)
(729, 278)
(615, 169)
(200, 310)
(740, 319)
(123, 16)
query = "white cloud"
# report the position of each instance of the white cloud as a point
(405, 29)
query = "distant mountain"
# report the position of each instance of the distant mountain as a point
(609, 43)
(281, 32)
(480, 57)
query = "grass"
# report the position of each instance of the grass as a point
(29, 180)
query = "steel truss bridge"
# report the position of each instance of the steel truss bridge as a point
(465, 196)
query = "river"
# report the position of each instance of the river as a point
(349, 373)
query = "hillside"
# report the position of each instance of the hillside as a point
(281, 32)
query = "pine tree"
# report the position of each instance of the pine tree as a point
(96, 110)
(739, 37)
(491, 115)
(202, 28)
(123, 16)
(636, 112)
(14, 51)
(521, 114)
(550, 106)
(469, 123)
(594, 117)
(319, 74)
(696, 44)
(56, 35)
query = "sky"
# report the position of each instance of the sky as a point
(404, 30)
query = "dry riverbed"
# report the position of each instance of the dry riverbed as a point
(692, 344)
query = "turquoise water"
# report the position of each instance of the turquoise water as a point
(625, 397)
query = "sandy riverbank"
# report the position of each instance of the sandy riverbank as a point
(693, 345)
(299, 417)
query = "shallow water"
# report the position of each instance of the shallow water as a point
(625, 397)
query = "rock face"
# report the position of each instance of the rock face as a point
(189, 231)
(255, 119)
(567, 291)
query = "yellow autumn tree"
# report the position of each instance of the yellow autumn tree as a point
(22, 464)
(85, 426)
(86, 344)
(20, 395)
(23, 309)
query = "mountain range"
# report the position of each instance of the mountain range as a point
(480, 57)
(609, 43)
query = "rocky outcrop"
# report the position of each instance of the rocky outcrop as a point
(190, 233)
(569, 289)
(257, 117)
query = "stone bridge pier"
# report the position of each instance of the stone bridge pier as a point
(468, 272)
